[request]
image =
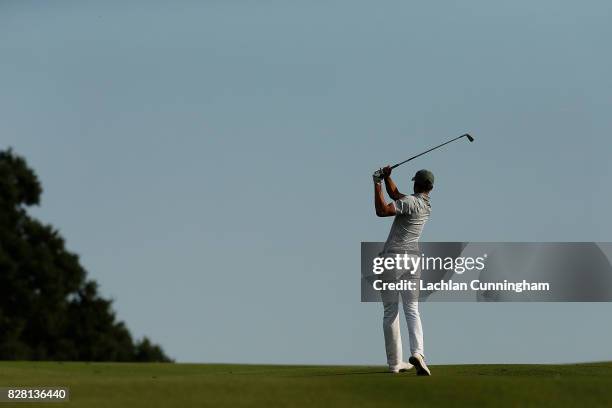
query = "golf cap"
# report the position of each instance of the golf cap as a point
(423, 176)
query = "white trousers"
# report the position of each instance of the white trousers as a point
(391, 326)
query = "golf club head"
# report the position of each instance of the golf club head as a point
(470, 138)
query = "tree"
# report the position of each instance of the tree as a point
(49, 309)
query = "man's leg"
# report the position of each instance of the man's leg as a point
(415, 330)
(391, 328)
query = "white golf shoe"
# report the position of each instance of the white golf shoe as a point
(418, 362)
(400, 368)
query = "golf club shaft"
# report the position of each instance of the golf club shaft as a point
(427, 151)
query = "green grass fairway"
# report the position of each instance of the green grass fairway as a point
(191, 385)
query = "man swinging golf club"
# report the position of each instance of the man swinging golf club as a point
(410, 212)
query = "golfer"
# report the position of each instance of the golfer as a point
(410, 212)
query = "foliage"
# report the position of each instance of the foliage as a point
(49, 309)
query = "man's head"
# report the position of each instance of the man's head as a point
(423, 181)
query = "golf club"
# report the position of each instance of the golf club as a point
(469, 137)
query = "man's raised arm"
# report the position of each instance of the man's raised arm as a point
(390, 185)
(382, 208)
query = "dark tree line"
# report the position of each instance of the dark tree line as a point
(49, 309)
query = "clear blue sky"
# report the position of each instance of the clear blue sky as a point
(210, 161)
